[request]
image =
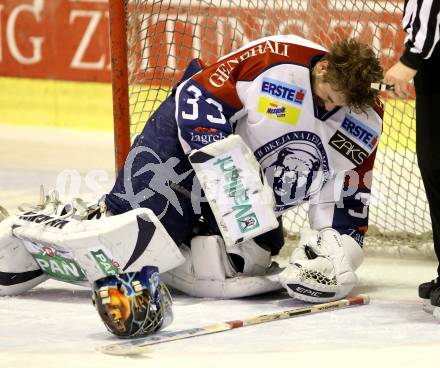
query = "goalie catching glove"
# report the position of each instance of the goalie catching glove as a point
(322, 267)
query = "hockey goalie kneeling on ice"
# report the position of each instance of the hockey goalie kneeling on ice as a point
(238, 263)
(322, 267)
(282, 126)
(119, 256)
(276, 123)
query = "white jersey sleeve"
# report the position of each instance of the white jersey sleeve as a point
(343, 202)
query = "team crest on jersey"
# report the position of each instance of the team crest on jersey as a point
(296, 165)
(278, 111)
(359, 131)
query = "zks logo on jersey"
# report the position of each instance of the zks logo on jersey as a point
(278, 111)
(361, 132)
(351, 150)
(283, 91)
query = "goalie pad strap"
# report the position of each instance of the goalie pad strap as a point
(14, 278)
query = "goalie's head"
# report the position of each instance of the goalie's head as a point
(344, 75)
(133, 304)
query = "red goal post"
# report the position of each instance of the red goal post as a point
(118, 54)
(152, 42)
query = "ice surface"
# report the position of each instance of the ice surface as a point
(55, 324)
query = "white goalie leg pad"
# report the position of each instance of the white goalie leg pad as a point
(208, 273)
(237, 191)
(326, 269)
(256, 260)
(87, 250)
(18, 270)
(209, 258)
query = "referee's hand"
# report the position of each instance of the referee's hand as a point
(400, 77)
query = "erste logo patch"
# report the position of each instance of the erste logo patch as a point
(360, 131)
(283, 91)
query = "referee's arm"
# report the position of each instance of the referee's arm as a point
(421, 22)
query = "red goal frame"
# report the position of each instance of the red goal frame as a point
(118, 54)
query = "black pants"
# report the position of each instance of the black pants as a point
(428, 137)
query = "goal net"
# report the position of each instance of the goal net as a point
(162, 36)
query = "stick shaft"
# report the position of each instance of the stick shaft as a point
(136, 346)
(295, 312)
(382, 87)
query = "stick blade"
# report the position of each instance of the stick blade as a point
(359, 299)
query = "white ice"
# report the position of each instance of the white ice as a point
(55, 324)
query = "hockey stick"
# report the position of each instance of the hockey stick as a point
(140, 346)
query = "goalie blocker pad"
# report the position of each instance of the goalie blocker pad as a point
(208, 273)
(240, 198)
(87, 250)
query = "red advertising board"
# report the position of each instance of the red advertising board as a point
(56, 39)
(68, 39)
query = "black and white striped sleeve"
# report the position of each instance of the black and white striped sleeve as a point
(421, 22)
